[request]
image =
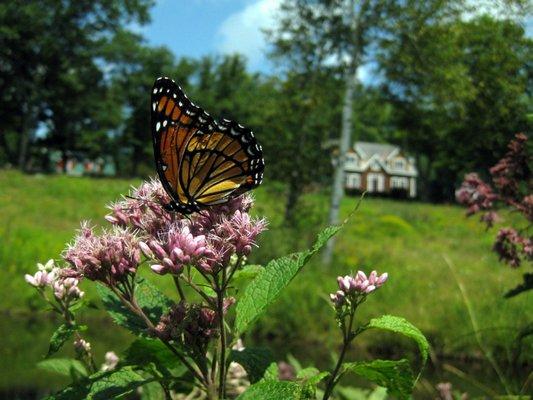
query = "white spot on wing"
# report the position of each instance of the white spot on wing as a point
(157, 126)
(165, 123)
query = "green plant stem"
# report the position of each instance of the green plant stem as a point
(232, 271)
(198, 290)
(220, 289)
(346, 340)
(178, 287)
(475, 326)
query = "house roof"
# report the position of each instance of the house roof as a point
(384, 150)
(381, 153)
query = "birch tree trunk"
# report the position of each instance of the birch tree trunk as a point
(344, 145)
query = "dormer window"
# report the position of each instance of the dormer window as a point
(399, 164)
(352, 159)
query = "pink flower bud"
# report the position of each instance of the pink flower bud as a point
(373, 277)
(146, 250)
(382, 279)
(158, 269)
(111, 219)
(167, 262)
(158, 250)
(177, 254)
(361, 276)
(370, 288)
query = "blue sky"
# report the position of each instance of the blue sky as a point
(193, 28)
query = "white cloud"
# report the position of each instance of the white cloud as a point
(242, 31)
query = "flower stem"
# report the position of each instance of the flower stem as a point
(346, 340)
(178, 287)
(220, 311)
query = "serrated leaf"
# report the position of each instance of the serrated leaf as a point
(272, 390)
(271, 373)
(103, 386)
(267, 286)
(63, 366)
(143, 351)
(59, 337)
(255, 360)
(153, 302)
(246, 274)
(396, 376)
(401, 325)
(314, 377)
(309, 378)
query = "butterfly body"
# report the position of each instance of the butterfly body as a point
(200, 161)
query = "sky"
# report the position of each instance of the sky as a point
(194, 28)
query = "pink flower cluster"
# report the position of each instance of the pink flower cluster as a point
(206, 240)
(351, 288)
(511, 177)
(176, 248)
(513, 169)
(142, 211)
(511, 247)
(475, 194)
(64, 288)
(108, 257)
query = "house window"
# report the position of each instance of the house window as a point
(351, 159)
(397, 182)
(399, 164)
(375, 182)
(353, 181)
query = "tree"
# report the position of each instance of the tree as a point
(351, 34)
(52, 72)
(457, 80)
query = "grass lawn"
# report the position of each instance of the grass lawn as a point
(38, 215)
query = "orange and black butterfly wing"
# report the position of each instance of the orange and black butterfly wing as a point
(200, 161)
(223, 163)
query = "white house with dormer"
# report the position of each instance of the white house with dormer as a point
(380, 168)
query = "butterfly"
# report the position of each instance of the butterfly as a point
(200, 161)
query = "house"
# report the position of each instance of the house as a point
(380, 168)
(78, 164)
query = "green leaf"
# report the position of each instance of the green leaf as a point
(59, 337)
(63, 366)
(396, 376)
(267, 286)
(104, 385)
(271, 373)
(272, 390)
(312, 376)
(144, 351)
(246, 274)
(152, 391)
(401, 325)
(150, 299)
(255, 360)
(309, 378)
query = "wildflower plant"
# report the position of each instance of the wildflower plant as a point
(511, 188)
(190, 343)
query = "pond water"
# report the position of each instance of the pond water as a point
(26, 336)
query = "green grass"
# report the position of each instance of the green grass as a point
(38, 215)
